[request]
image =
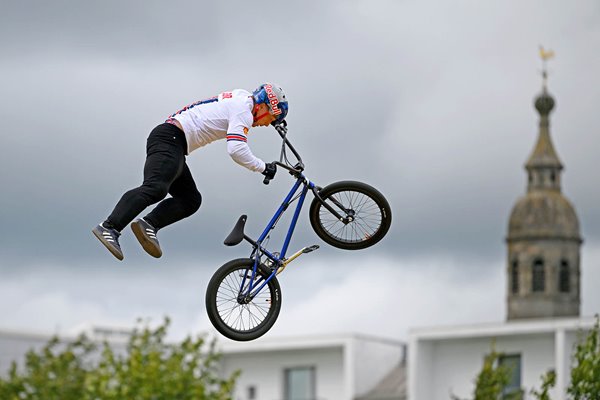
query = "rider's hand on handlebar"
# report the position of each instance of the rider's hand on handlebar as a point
(269, 172)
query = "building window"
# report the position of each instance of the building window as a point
(538, 278)
(513, 365)
(564, 283)
(514, 277)
(300, 383)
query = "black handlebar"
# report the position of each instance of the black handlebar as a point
(297, 169)
(282, 130)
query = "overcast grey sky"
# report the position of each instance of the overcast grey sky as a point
(429, 101)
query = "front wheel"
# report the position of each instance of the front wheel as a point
(366, 214)
(233, 315)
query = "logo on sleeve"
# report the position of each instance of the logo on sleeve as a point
(245, 131)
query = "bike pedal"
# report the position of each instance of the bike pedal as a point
(310, 248)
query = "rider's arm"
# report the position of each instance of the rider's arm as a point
(238, 148)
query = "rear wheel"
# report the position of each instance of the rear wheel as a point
(367, 212)
(232, 315)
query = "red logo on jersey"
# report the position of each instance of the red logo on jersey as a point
(273, 100)
(227, 95)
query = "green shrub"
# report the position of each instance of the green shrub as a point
(147, 368)
(585, 373)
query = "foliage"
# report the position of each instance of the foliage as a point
(585, 373)
(548, 382)
(146, 368)
(492, 379)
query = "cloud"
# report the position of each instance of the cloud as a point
(384, 298)
(349, 293)
(427, 101)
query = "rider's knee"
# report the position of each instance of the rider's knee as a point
(194, 201)
(156, 192)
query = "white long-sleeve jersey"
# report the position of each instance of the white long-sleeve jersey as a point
(226, 116)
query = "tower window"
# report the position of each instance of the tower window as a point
(564, 282)
(538, 279)
(514, 277)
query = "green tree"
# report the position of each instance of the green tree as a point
(492, 379)
(548, 382)
(585, 373)
(147, 368)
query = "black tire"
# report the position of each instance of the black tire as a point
(251, 320)
(372, 218)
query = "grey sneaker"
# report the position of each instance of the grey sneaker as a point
(146, 235)
(110, 239)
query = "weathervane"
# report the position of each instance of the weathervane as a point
(545, 56)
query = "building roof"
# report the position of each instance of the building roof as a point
(543, 214)
(301, 342)
(512, 327)
(392, 387)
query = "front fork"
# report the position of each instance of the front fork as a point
(349, 213)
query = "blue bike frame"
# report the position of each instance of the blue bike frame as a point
(258, 249)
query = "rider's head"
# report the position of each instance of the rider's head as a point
(270, 105)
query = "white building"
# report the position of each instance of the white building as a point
(15, 344)
(344, 367)
(446, 360)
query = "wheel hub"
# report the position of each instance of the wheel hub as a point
(244, 299)
(349, 216)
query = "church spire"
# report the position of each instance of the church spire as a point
(543, 265)
(543, 165)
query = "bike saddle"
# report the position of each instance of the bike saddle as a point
(237, 234)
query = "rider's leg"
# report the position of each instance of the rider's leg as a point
(165, 161)
(185, 201)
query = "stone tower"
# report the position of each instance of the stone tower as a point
(543, 235)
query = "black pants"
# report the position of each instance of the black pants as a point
(165, 172)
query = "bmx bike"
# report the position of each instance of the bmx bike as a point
(243, 298)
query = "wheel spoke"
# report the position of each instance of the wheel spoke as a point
(242, 317)
(367, 217)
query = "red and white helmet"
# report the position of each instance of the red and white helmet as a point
(274, 97)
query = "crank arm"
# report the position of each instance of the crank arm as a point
(297, 254)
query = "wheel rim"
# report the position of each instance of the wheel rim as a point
(367, 217)
(242, 317)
